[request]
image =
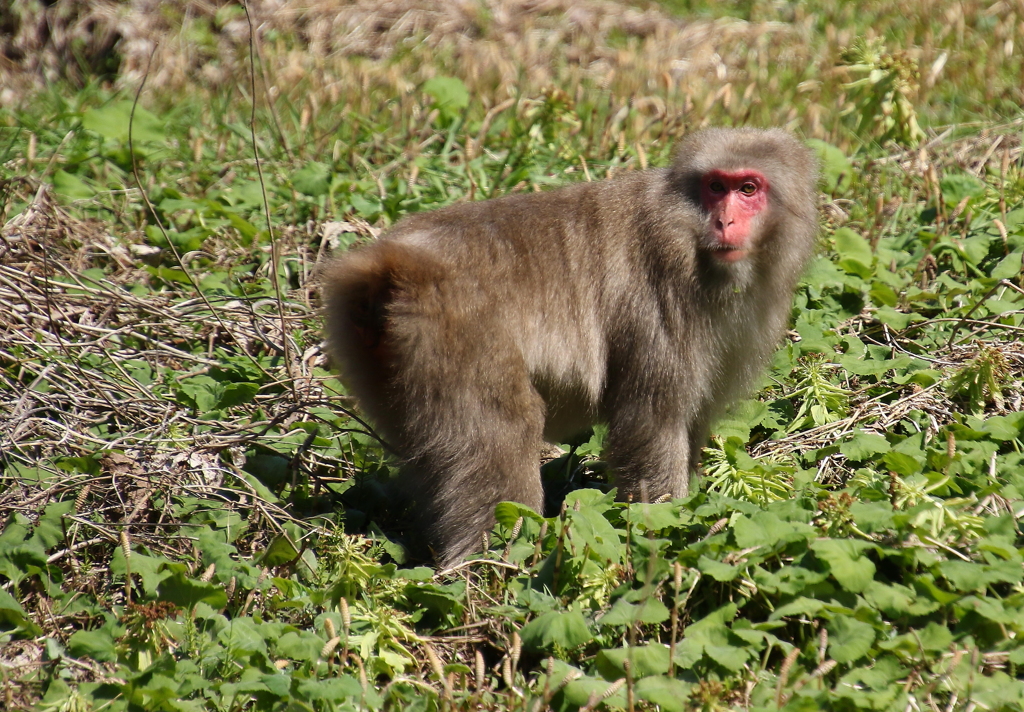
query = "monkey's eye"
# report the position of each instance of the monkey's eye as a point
(716, 186)
(748, 188)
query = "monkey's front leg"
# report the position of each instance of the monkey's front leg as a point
(650, 458)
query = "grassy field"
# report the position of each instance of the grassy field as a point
(193, 511)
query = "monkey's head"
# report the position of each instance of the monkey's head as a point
(745, 183)
(734, 202)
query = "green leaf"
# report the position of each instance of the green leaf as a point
(508, 513)
(299, 645)
(896, 600)
(566, 630)
(111, 121)
(957, 186)
(578, 692)
(237, 393)
(731, 657)
(935, 637)
(643, 660)
(846, 562)
(883, 295)
(1008, 267)
(669, 694)
(71, 186)
(767, 530)
(589, 526)
(313, 179)
(849, 639)
(969, 576)
(717, 570)
(855, 254)
(281, 551)
(863, 446)
(836, 168)
(186, 592)
(449, 93)
(822, 273)
(901, 463)
(330, 691)
(12, 615)
(655, 517)
(150, 569)
(96, 644)
(623, 613)
(1004, 427)
(896, 319)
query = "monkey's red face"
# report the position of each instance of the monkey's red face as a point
(733, 199)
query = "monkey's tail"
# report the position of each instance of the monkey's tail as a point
(363, 291)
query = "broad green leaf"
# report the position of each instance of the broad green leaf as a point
(863, 446)
(281, 551)
(712, 628)
(849, 639)
(935, 637)
(449, 93)
(855, 254)
(331, 690)
(884, 671)
(896, 319)
(565, 629)
(644, 660)
(13, 616)
(767, 530)
(1004, 427)
(731, 657)
(901, 463)
(883, 295)
(957, 186)
(237, 393)
(718, 570)
(244, 636)
(589, 526)
(669, 694)
(111, 121)
(1008, 267)
(299, 645)
(623, 613)
(655, 517)
(579, 692)
(872, 516)
(896, 600)
(508, 513)
(151, 570)
(313, 179)
(96, 644)
(846, 562)
(186, 592)
(72, 186)
(50, 529)
(836, 168)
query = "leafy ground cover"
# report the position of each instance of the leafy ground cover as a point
(193, 514)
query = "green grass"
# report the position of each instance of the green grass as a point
(193, 510)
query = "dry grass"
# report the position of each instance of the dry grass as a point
(782, 69)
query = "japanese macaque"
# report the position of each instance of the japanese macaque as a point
(471, 334)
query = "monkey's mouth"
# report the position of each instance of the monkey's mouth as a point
(729, 254)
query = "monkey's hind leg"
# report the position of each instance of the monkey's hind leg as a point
(473, 435)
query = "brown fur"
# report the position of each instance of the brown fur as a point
(471, 333)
